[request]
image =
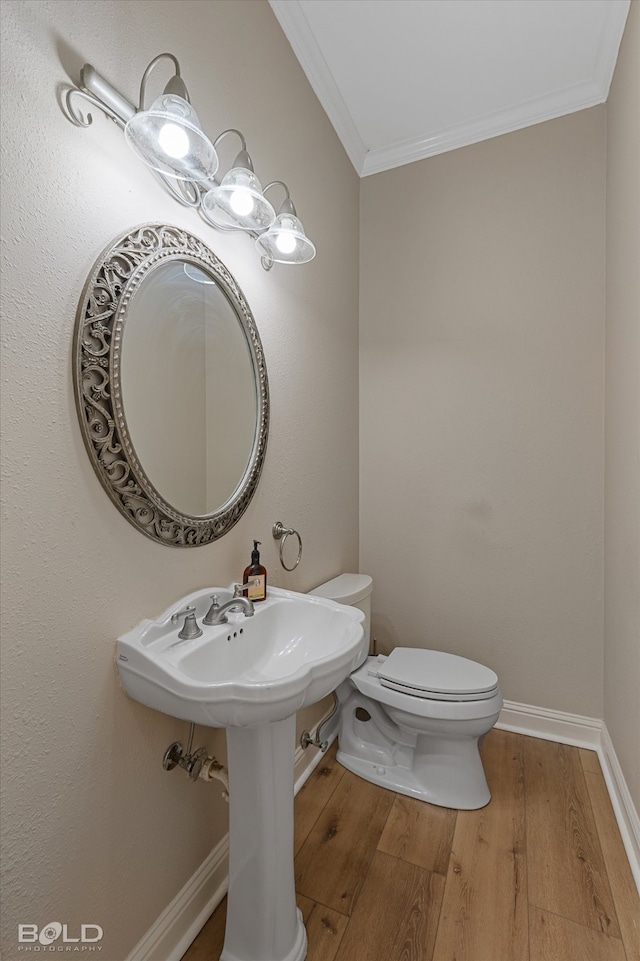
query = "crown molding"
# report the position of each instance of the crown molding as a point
(292, 19)
(615, 22)
(290, 16)
(484, 128)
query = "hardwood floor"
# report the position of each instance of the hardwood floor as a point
(539, 874)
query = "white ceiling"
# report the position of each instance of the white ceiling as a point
(406, 79)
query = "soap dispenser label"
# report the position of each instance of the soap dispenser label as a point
(257, 590)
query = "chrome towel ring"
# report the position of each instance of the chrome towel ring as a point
(280, 532)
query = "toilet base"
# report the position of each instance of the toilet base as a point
(439, 767)
(445, 786)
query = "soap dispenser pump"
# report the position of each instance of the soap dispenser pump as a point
(256, 576)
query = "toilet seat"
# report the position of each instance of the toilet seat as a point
(434, 675)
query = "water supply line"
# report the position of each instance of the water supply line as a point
(213, 770)
(305, 737)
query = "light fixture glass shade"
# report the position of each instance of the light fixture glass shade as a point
(240, 200)
(286, 242)
(168, 138)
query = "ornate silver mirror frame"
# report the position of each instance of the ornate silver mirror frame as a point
(97, 355)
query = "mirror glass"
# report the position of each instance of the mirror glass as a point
(188, 387)
(171, 385)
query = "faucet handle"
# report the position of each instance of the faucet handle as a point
(190, 628)
(239, 589)
(211, 616)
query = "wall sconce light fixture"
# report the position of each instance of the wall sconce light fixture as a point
(169, 139)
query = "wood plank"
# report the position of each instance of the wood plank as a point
(484, 911)
(333, 861)
(398, 907)
(396, 916)
(314, 794)
(554, 938)
(623, 888)
(589, 761)
(567, 875)
(420, 833)
(325, 929)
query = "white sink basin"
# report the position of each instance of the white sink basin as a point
(295, 650)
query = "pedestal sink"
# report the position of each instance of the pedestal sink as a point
(250, 675)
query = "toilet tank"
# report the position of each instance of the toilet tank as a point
(353, 590)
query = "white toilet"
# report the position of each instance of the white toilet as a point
(412, 722)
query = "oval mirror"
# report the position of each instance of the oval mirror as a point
(171, 386)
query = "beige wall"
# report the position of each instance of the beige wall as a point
(622, 408)
(482, 305)
(95, 830)
(481, 392)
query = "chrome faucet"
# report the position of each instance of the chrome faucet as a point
(217, 613)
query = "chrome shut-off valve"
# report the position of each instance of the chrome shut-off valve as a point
(191, 763)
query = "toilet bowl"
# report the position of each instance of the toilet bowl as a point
(413, 721)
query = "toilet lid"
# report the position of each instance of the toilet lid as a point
(434, 674)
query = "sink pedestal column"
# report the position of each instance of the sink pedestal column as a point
(263, 922)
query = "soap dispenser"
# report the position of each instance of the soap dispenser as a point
(257, 574)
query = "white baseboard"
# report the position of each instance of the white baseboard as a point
(622, 803)
(182, 920)
(590, 733)
(574, 729)
(175, 929)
